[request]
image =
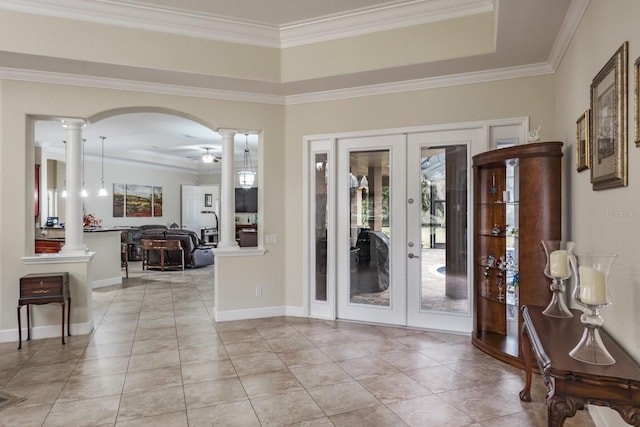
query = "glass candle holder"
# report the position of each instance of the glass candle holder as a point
(558, 270)
(592, 293)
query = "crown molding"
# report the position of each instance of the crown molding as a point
(153, 19)
(37, 76)
(567, 30)
(387, 17)
(423, 84)
(198, 92)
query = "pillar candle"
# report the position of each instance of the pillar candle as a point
(593, 288)
(558, 266)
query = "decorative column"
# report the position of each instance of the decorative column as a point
(227, 192)
(73, 237)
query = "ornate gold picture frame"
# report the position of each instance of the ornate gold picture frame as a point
(609, 123)
(583, 141)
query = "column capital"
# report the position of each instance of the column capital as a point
(73, 123)
(228, 132)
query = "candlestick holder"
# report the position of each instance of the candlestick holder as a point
(592, 293)
(557, 269)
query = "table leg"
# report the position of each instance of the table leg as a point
(62, 307)
(28, 322)
(559, 409)
(19, 329)
(69, 318)
(525, 345)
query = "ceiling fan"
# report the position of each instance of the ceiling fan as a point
(207, 157)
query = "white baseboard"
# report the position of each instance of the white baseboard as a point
(257, 313)
(46, 331)
(106, 282)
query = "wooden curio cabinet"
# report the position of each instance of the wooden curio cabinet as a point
(517, 204)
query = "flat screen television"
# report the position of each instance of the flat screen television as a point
(247, 200)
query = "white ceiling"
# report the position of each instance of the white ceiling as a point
(530, 39)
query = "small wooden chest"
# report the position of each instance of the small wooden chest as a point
(44, 286)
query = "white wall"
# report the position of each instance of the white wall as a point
(606, 221)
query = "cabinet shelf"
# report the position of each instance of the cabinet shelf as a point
(536, 217)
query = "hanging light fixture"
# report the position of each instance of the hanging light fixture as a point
(103, 191)
(83, 192)
(246, 175)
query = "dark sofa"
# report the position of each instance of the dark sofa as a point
(195, 253)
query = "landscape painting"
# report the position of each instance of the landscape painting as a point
(133, 200)
(118, 200)
(157, 201)
(138, 200)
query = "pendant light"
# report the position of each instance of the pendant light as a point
(83, 191)
(246, 175)
(103, 191)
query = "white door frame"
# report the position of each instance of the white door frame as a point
(516, 127)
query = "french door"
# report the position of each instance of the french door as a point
(400, 229)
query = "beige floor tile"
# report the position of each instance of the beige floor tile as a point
(85, 412)
(153, 360)
(175, 419)
(378, 416)
(208, 353)
(239, 349)
(155, 345)
(84, 387)
(269, 383)
(229, 336)
(257, 363)
(343, 397)
(235, 414)
(52, 373)
(395, 387)
(415, 412)
(215, 370)
(96, 351)
(439, 379)
(153, 378)
(367, 367)
(408, 360)
(289, 343)
(210, 393)
(344, 351)
(36, 394)
(287, 408)
(328, 337)
(149, 403)
(106, 365)
(16, 416)
(319, 375)
(304, 357)
(384, 345)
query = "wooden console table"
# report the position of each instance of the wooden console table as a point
(162, 246)
(573, 384)
(43, 288)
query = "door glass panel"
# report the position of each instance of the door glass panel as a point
(320, 181)
(444, 284)
(369, 281)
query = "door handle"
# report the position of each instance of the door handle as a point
(412, 255)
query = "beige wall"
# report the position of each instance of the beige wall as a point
(605, 221)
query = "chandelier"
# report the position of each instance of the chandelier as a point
(246, 175)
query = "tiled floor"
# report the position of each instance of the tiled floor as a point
(157, 359)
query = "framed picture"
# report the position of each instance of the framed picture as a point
(583, 142)
(208, 200)
(637, 100)
(609, 123)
